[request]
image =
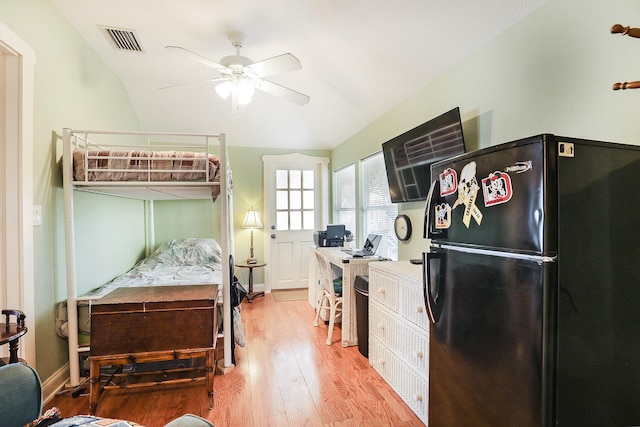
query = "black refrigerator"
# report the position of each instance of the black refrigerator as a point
(532, 285)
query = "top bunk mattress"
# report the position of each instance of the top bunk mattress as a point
(90, 166)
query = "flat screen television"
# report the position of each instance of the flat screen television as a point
(408, 157)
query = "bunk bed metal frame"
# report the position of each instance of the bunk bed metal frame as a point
(149, 191)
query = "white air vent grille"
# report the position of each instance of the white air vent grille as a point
(122, 39)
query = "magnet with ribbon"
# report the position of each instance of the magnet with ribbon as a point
(468, 193)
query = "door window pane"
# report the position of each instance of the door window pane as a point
(307, 180)
(282, 200)
(295, 198)
(296, 220)
(282, 220)
(308, 199)
(282, 178)
(295, 179)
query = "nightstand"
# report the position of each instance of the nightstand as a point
(252, 295)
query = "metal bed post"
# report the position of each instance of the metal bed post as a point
(151, 230)
(226, 280)
(72, 309)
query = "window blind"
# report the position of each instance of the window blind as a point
(377, 213)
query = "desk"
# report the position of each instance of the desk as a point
(252, 295)
(11, 333)
(351, 267)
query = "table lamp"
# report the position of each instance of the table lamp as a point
(251, 221)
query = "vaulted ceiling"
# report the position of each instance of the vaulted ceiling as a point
(359, 59)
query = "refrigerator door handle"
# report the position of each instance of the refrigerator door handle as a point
(427, 211)
(433, 285)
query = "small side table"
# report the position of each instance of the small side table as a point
(252, 295)
(11, 334)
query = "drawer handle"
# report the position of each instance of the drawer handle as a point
(419, 309)
(381, 362)
(420, 355)
(381, 290)
(381, 326)
(419, 398)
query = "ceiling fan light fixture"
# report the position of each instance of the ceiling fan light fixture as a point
(224, 89)
(245, 91)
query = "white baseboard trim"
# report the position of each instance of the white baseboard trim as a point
(54, 383)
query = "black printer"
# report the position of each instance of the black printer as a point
(333, 236)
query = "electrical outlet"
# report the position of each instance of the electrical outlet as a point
(37, 215)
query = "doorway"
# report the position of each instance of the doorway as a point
(296, 203)
(17, 62)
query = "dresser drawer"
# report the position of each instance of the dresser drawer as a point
(383, 286)
(406, 341)
(384, 362)
(412, 304)
(383, 325)
(411, 386)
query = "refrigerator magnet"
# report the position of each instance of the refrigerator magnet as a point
(467, 194)
(448, 182)
(443, 216)
(496, 188)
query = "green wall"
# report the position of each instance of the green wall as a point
(552, 72)
(73, 88)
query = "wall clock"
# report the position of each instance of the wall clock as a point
(402, 227)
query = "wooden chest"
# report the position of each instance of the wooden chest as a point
(156, 318)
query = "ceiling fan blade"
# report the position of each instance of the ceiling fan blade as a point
(217, 79)
(283, 92)
(204, 60)
(277, 64)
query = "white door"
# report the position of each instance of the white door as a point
(296, 204)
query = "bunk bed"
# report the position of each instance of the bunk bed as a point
(146, 166)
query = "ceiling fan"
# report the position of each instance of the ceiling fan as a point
(238, 75)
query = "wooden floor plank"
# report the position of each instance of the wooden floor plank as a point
(285, 376)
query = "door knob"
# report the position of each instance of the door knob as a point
(273, 227)
(273, 236)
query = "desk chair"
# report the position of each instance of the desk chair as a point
(331, 297)
(20, 395)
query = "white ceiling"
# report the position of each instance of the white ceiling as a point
(359, 58)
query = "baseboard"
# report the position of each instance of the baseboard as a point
(54, 383)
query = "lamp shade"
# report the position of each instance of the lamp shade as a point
(252, 220)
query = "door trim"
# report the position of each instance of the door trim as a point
(270, 160)
(16, 140)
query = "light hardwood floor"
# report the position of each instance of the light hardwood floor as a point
(285, 376)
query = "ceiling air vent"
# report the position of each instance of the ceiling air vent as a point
(122, 39)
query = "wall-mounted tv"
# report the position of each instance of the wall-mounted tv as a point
(408, 157)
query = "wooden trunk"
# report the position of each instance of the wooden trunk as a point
(153, 324)
(142, 319)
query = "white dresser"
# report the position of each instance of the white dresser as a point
(399, 331)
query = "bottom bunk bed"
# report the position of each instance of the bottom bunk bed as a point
(143, 309)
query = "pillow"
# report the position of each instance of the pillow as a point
(189, 251)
